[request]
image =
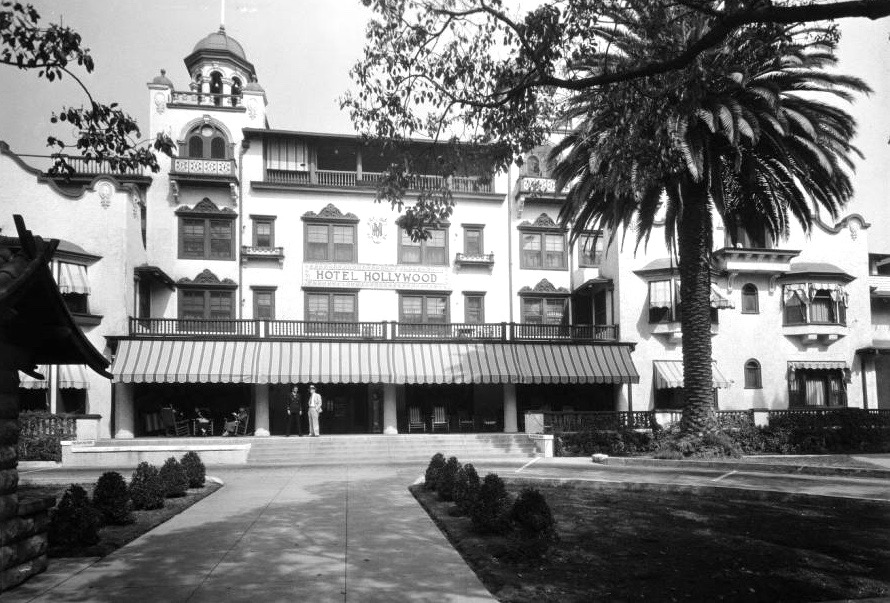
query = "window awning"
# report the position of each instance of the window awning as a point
(669, 375)
(563, 363)
(72, 376)
(29, 382)
(817, 365)
(718, 301)
(73, 278)
(323, 362)
(165, 361)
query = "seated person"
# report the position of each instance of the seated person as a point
(203, 425)
(232, 424)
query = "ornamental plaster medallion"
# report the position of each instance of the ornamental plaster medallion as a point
(854, 226)
(105, 189)
(135, 200)
(160, 102)
(251, 108)
(377, 230)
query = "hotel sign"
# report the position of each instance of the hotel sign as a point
(375, 276)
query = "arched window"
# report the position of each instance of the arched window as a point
(236, 91)
(216, 87)
(752, 375)
(207, 142)
(749, 300)
(218, 148)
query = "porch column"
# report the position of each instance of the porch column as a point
(510, 422)
(261, 409)
(390, 422)
(124, 411)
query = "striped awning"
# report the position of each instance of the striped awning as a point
(29, 382)
(73, 376)
(166, 361)
(563, 363)
(323, 361)
(669, 375)
(447, 363)
(159, 361)
(73, 278)
(718, 301)
(817, 365)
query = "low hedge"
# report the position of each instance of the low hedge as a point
(40, 448)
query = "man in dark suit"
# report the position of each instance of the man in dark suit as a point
(294, 412)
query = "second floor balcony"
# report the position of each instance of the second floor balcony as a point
(382, 331)
(185, 168)
(362, 179)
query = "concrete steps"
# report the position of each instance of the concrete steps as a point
(386, 449)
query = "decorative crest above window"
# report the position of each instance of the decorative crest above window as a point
(330, 212)
(544, 286)
(206, 277)
(206, 207)
(542, 221)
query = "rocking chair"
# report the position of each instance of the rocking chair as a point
(172, 426)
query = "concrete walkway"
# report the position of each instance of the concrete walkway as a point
(288, 534)
(343, 533)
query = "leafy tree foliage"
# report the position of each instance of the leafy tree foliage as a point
(702, 105)
(104, 131)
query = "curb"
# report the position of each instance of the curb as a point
(749, 467)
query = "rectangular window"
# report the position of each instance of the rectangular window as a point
(264, 232)
(287, 155)
(543, 310)
(815, 387)
(423, 309)
(330, 242)
(206, 304)
(322, 306)
(661, 301)
(206, 239)
(432, 251)
(590, 250)
(543, 250)
(474, 308)
(473, 244)
(825, 307)
(264, 304)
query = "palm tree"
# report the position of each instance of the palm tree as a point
(744, 132)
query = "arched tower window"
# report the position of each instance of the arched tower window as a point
(750, 303)
(236, 91)
(207, 142)
(752, 375)
(216, 87)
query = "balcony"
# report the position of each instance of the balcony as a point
(383, 331)
(742, 260)
(262, 253)
(223, 170)
(356, 179)
(474, 259)
(85, 170)
(534, 187)
(224, 102)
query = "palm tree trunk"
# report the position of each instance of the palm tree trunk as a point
(694, 238)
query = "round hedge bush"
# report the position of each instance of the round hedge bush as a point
(532, 516)
(194, 469)
(447, 478)
(111, 498)
(431, 477)
(174, 478)
(75, 522)
(466, 488)
(490, 512)
(146, 489)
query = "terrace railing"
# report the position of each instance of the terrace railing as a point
(203, 99)
(203, 167)
(384, 330)
(352, 178)
(592, 420)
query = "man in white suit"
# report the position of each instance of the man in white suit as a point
(314, 410)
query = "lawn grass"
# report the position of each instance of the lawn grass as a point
(617, 544)
(112, 537)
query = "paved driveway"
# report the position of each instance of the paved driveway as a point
(289, 534)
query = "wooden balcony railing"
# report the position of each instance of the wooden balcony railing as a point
(352, 179)
(82, 166)
(385, 330)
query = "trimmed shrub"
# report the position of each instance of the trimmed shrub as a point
(194, 469)
(112, 499)
(535, 528)
(75, 522)
(466, 488)
(146, 489)
(625, 442)
(447, 477)
(174, 479)
(490, 511)
(671, 444)
(431, 477)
